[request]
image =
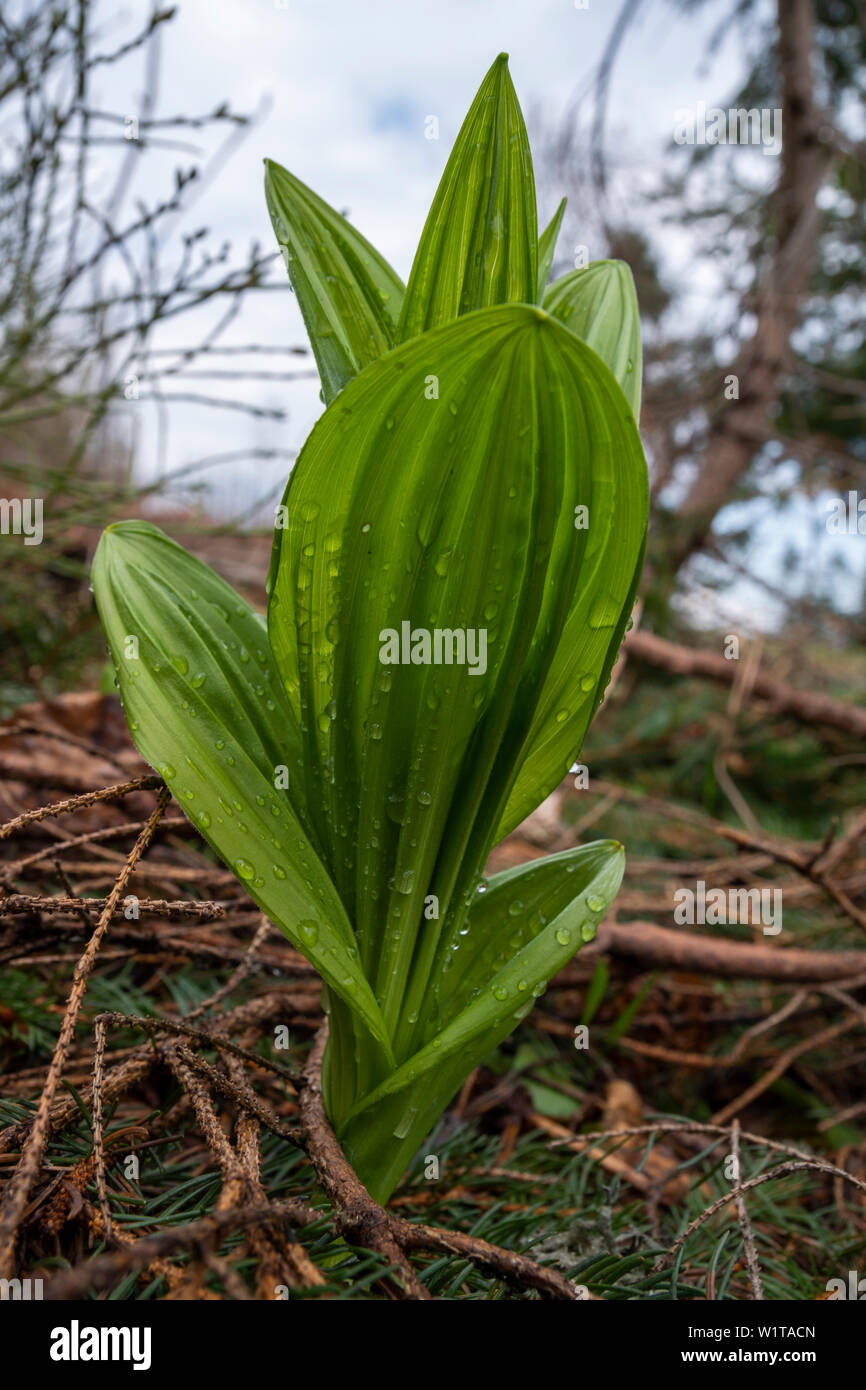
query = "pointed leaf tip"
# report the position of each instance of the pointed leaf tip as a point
(479, 244)
(349, 295)
(547, 248)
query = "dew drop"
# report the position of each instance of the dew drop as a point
(396, 804)
(309, 930)
(405, 1124)
(603, 612)
(245, 869)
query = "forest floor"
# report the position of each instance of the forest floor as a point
(159, 1137)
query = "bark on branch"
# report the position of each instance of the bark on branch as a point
(762, 362)
(670, 949)
(782, 698)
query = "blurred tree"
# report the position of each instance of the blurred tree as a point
(763, 398)
(92, 265)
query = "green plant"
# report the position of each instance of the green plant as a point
(477, 473)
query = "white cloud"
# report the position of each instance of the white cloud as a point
(349, 86)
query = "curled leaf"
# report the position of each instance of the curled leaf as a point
(599, 304)
(348, 294)
(206, 708)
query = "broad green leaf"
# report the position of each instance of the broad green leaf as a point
(452, 513)
(539, 1061)
(479, 244)
(206, 709)
(599, 304)
(547, 249)
(518, 904)
(580, 671)
(561, 900)
(349, 296)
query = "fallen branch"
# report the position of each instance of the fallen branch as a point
(195, 1235)
(15, 1197)
(22, 903)
(781, 697)
(77, 803)
(666, 948)
(137, 1065)
(362, 1221)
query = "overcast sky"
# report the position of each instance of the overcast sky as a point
(343, 91)
(350, 86)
